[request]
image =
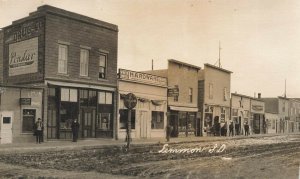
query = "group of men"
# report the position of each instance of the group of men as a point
(237, 129)
(39, 130)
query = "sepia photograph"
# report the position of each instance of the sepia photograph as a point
(163, 89)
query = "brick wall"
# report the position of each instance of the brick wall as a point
(76, 34)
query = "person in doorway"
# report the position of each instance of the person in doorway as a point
(75, 129)
(231, 128)
(39, 127)
(246, 126)
(168, 132)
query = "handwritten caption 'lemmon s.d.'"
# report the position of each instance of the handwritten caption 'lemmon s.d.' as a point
(214, 149)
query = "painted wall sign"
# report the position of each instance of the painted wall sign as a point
(142, 77)
(24, 31)
(173, 92)
(23, 57)
(257, 107)
(25, 101)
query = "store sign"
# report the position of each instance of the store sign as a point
(23, 57)
(173, 92)
(130, 101)
(142, 77)
(257, 107)
(25, 101)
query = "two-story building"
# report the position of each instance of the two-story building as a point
(213, 98)
(182, 97)
(74, 59)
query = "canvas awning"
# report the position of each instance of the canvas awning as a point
(186, 109)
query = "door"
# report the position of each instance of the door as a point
(6, 127)
(88, 116)
(144, 124)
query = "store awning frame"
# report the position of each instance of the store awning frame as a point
(185, 109)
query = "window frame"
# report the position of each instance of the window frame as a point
(84, 62)
(62, 60)
(191, 95)
(104, 67)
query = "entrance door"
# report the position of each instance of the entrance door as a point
(88, 116)
(6, 127)
(144, 124)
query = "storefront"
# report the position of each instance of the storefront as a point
(20, 107)
(258, 124)
(183, 121)
(92, 107)
(148, 118)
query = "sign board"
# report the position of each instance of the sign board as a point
(142, 77)
(257, 108)
(173, 92)
(25, 101)
(23, 57)
(130, 101)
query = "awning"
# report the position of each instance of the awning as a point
(79, 85)
(186, 109)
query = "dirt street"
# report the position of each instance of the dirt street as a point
(257, 157)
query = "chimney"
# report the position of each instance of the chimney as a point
(258, 95)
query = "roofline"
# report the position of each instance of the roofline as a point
(218, 68)
(183, 63)
(241, 95)
(47, 9)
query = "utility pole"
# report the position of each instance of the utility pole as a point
(220, 54)
(152, 64)
(285, 88)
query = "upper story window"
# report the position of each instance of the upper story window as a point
(225, 94)
(102, 66)
(62, 59)
(210, 91)
(191, 95)
(84, 62)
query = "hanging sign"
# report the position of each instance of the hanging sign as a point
(130, 101)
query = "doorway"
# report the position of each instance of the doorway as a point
(6, 127)
(88, 116)
(144, 124)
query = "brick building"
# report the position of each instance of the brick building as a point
(74, 59)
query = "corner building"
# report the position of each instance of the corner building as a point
(73, 58)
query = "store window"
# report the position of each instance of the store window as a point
(62, 58)
(102, 66)
(105, 97)
(157, 121)
(84, 62)
(124, 117)
(68, 95)
(28, 120)
(104, 121)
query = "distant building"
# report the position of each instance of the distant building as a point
(278, 106)
(148, 118)
(73, 58)
(182, 97)
(213, 98)
(294, 115)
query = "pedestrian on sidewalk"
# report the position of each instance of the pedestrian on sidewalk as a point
(246, 126)
(75, 129)
(168, 132)
(38, 130)
(231, 128)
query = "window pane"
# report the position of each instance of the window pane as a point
(101, 97)
(65, 94)
(102, 60)
(124, 118)
(62, 58)
(108, 98)
(28, 120)
(84, 58)
(73, 95)
(157, 120)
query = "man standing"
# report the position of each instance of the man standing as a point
(39, 127)
(246, 126)
(75, 129)
(231, 128)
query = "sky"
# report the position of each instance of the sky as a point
(260, 39)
